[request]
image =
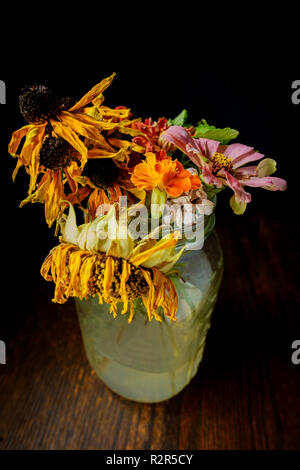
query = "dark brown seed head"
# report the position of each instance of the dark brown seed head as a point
(102, 172)
(55, 153)
(38, 103)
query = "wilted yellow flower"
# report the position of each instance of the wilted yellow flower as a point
(110, 235)
(58, 142)
(81, 273)
(89, 262)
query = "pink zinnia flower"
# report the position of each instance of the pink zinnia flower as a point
(223, 165)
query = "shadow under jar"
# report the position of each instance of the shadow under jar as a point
(151, 361)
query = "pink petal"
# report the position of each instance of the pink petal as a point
(247, 158)
(242, 154)
(209, 177)
(194, 155)
(222, 149)
(236, 150)
(178, 136)
(235, 185)
(193, 148)
(246, 171)
(271, 183)
(240, 199)
(206, 147)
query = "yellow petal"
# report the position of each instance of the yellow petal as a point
(168, 264)
(46, 267)
(54, 198)
(70, 136)
(93, 93)
(30, 152)
(97, 102)
(126, 145)
(17, 167)
(150, 298)
(40, 194)
(131, 312)
(86, 272)
(75, 122)
(75, 261)
(123, 291)
(102, 144)
(138, 193)
(120, 155)
(108, 278)
(166, 297)
(122, 113)
(50, 191)
(159, 246)
(16, 138)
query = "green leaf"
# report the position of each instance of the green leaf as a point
(203, 126)
(224, 136)
(180, 120)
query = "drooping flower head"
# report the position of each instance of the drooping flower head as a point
(89, 262)
(223, 165)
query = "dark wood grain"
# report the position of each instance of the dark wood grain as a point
(245, 395)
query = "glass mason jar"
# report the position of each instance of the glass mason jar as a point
(152, 361)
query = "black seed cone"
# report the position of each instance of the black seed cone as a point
(102, 172)
(55, 153)
(38, 103)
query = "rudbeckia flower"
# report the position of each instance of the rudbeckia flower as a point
(223, 165)
(160, 171)
(57, 143)
(41, 108)
(51, 189)
(100, 179)
(86, 263)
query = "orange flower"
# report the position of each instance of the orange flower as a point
(99, 198)
(160, 171)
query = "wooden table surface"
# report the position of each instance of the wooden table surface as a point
(246, 392)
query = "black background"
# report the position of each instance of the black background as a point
(259, 107)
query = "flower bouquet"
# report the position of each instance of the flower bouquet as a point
(132, 202)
